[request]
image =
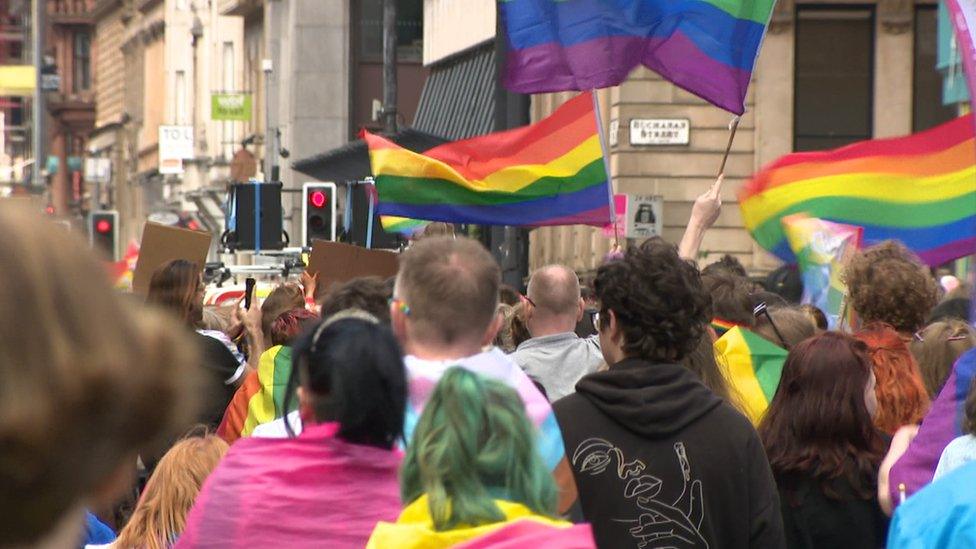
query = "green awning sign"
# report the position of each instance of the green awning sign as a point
(230, 106)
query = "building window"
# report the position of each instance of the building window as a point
(410, 30)
(927, 108)
(180, 95)
(82, 62)
(834, 88)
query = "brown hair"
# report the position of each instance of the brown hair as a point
(176, 286)
(701, 361)
(520, 332)
(86, 380)
(160, 516)
(283, 298)
(936, 348)
(888, 283)
(451, 288)
(731, 299)
(793, 325)
(818, 424)
(503, 339)
(434, 230)
(815, 315)
(902, 398)
(368, 293)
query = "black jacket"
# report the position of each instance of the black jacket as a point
(660, 461)
(814, 520)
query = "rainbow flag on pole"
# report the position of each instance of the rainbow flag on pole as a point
(549, 173)
(708, 47)
(822, 248)
(752, 366)
(919, 189)
(261, 397)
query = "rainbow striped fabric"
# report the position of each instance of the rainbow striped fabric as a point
(941, 424)
(402, 225)
(708, 47)
(822, 249)
(918, 189)
(548, 173)
(721, 326)
(752, 366)
(261, 398)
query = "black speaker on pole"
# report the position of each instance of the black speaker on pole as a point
(360, 215)
(254, 221)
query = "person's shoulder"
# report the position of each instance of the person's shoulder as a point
(570, 404)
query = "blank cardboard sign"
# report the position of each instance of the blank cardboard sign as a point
(336, 262)
(162, 244)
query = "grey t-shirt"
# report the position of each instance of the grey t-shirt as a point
(559, 361)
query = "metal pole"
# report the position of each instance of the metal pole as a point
(389, 67)
(269, 147)
(37, 39)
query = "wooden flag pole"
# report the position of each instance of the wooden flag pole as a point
(733, 125)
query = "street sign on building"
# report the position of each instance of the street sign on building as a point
(175, 146)
(230, 106)
(98, 170)
(644, 216)
(660, 131)
(614, 130)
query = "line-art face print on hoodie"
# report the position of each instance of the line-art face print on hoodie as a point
(657, 523)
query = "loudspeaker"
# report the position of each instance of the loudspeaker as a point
(360, 215)
(255, 220)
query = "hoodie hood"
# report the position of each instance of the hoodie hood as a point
(652, 400)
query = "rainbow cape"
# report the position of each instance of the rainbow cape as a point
(918, 189)
(941, 424)
(549, 173)
(708, 47)
(822, 248)
(752, 366)
(261, 398)
(521, 528)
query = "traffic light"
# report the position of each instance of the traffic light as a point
(103, 231)
(318, 212)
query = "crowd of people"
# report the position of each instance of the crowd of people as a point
(656, 404)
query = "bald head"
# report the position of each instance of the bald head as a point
(555, 291)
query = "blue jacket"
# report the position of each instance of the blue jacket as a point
(943, 514)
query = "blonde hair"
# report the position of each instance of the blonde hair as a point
(160, 516)
(87, 380)
(936, 348)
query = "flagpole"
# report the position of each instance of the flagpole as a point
(733, 126)
(606, 166)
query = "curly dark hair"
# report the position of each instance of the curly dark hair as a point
(888, 283)
(658, 299)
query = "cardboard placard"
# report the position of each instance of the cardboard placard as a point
(336, 262)
(162, 244)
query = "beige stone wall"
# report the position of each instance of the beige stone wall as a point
(451, 26)
(109, 69)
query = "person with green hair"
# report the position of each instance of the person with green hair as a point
(472, 475)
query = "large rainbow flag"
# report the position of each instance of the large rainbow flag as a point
(708, 47)
(822, 249)
(549, 173)
(752, 366)
(919, 189)
(261, 397)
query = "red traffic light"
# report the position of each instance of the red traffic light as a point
(317, 199)
(103, 226)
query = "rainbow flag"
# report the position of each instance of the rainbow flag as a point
(940, 425)
(402, 225)
(549, 173)
(822, 248)
(721, 326)
(919, 189)
(752, 366)
(261, 397)
(707, 47)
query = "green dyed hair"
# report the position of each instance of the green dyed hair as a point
(472, 445)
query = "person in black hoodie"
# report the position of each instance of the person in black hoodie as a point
(658, 459)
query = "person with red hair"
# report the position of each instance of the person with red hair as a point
(902, 397)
